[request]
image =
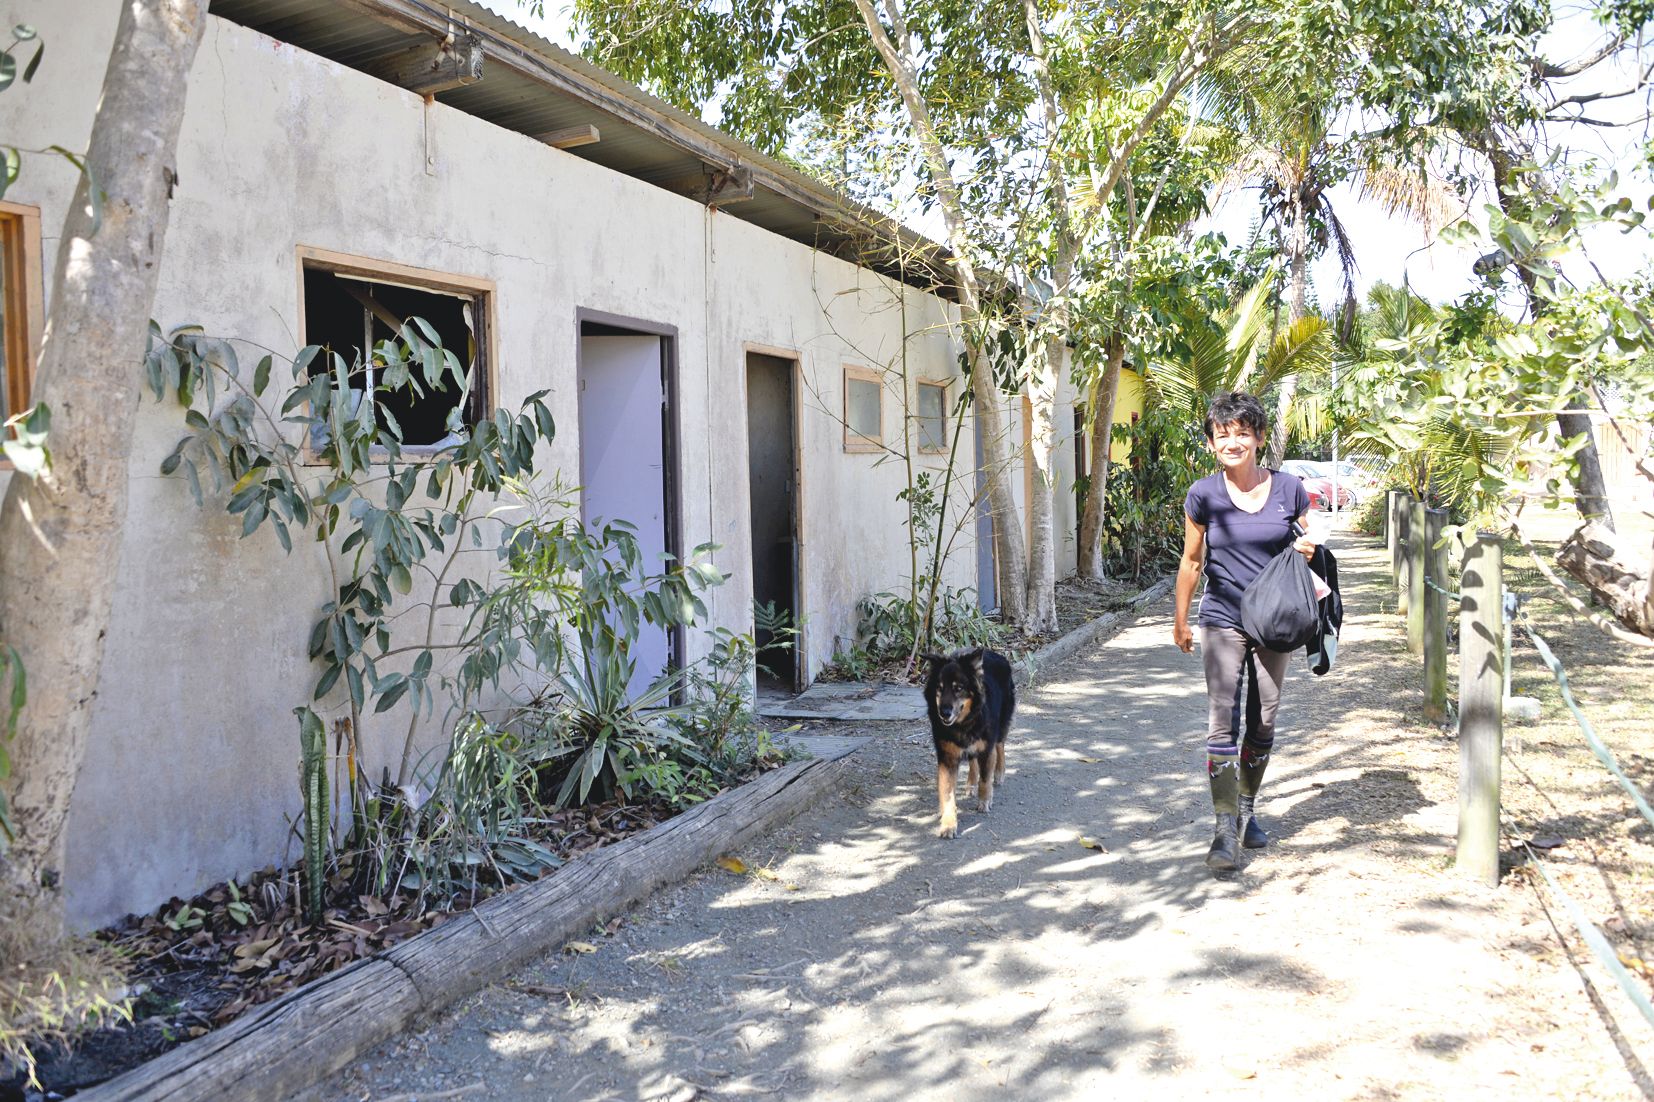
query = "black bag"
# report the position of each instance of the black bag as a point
(1279, 611)
(1323, 649)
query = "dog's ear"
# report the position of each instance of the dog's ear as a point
(934, 659)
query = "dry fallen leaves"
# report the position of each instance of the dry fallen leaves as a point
(731, 864)
(579, 947)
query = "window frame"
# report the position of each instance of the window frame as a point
(483, 293)
(940, 448)
(25, 299)
(854, 441)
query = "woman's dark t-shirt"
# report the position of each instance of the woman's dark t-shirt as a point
(1240, 544)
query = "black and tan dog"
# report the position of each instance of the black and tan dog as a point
(970, 697)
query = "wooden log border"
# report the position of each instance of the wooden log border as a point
(289, 1046)
(1087, 634)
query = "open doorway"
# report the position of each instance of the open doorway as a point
(772, 479)
(628, 454)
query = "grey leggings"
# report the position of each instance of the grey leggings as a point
(1227, 654)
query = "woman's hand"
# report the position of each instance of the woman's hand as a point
(1303, 544)
(1188, 577)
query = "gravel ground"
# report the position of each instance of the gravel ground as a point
(1071, 944)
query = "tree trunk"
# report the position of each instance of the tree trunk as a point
(1592, 554)
(60, 536)
(1297, 307)
(1050, 368)
(1041, 615)
(1012, 558)
(1590, 490)
(1101, 406)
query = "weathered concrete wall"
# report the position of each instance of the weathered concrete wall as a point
(827, 314)
(191, 773)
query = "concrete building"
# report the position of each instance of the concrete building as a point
(589, 241)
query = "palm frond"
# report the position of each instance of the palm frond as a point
(1305, 346)
(1244, 325)
(1410, 192)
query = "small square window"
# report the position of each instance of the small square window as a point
(22, 304)
(933, 417)
(863, 410)
(349, 308)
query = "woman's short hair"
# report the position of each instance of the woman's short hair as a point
(1235, 407)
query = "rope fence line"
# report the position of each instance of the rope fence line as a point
(1448, 593)
(1602, 622)
(1487, 613)
(1598, 747)
(1594, 940)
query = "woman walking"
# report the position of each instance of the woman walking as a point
(1235, 521)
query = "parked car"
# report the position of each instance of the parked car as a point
(1320, 494)
(1356, 475)
(1358, 481)
(1304, 468)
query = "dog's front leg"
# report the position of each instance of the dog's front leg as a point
(947, 776)
(985, 785)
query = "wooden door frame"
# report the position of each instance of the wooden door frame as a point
(671, 423)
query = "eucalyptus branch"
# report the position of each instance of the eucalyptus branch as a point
(1552, 70)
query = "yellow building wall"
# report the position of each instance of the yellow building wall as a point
(1128, 403)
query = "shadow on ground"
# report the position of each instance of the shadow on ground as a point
(867, 959)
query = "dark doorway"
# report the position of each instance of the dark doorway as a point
(628, 455)
(772, 473)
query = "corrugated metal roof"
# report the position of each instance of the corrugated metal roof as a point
(533, 86)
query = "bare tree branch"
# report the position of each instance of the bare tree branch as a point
(1552, 71)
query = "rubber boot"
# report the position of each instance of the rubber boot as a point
(1252, 835)
(1224, 774)
(1224, 853)
(1253, 762)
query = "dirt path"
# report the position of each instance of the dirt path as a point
(871, 961)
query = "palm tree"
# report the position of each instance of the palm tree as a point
(1236, 349)
(1437, 457)
(1298, 160)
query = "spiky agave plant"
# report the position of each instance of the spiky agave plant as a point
(313, 784)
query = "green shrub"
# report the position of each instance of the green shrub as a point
(888, 624)
(1143, 514)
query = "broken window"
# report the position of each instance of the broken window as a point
(22, 307)
(863, 410)
(348, 312)
(933, 417)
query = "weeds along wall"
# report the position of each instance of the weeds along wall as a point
(192, 771)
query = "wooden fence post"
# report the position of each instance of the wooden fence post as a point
(1481, 719)
(1416, 587)
(1404, 540)
(1435, 618)
(1392, 532)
